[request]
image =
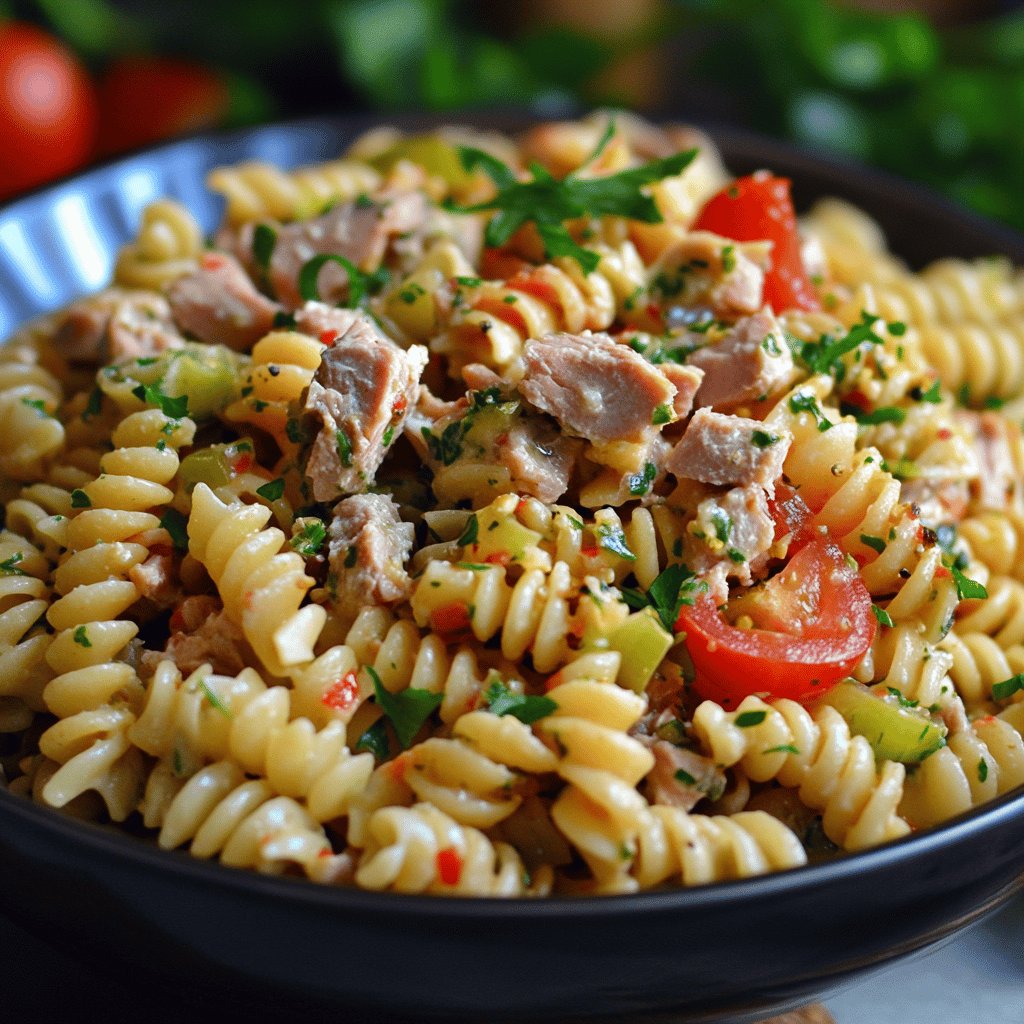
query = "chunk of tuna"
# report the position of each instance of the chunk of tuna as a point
(115, 326)
(687, 381)
(995, 443)
(539, 457)
(751, 361)
(682, 778)
(705, 269)
(729, 450)
(218, 303)
(359, 231)
(734, 530)
(595, 387)
(361, 394)
(201, 633)
(368, 547)
(157, 579)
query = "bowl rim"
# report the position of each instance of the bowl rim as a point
(104, 839)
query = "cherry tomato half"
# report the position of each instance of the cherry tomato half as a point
(756, 208)
(814, 625)
(47, 109)
(145, 99)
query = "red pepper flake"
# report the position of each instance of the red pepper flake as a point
(401, 403)
(342, 694)
(987, 720)
(590, 551)
(449, 865)
(552, 681)
(328, 337)
(942, 573)
(242, 463)
(396, 769)
(501, 440)
(324, 853)
(450, 618)
(944, 433)
(521, 507)
(501, 558)
(212, 261)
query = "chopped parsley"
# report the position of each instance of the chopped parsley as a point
(674, 587)
(360, 286)
(728, 258)
(612, 539)
(173, 408)
(966, 588)
(783, 748)
(762, 439)
(662, 414)
(1008, 687)
(748, 719)
(875, 543)
(722, 522)
(344, 446)
(79, 499)
(93, 405)
(39, 405)
(548, 202)
(883, 414)
(9, 566)
(806, 402)
(81, 637)
(528, 709)
(407, 709)
(640, 483)
(932, 395)
(264, 238)
(982, 769)
(175, 524)
(310, 538)
(213, 698)
(471, 532)
(376, 741)
(883, 617)
(826, 354)
(273, 490)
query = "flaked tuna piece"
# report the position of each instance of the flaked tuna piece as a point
(705, 269)
(734, 530)
(202, 634)
(359, 231)
(937, 501)
(595, 387)
(539, 457)
(682, 778)
(157, 579)
(361, 394)
(751, 361)
(687, 381)
(115, 326)
(367, 550)
(218, 303)
(479, 377)
(995, 440)
(729, 450)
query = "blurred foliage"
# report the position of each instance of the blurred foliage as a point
(941, 106)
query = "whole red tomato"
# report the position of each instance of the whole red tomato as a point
(145, 99)
(47, 109)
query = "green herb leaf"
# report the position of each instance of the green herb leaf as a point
(172, 408)
(748, 719)
(1008, 687)
(982, 769)
(805, 402)
(672, 588)
(528, 709)
(213, 699)
(933, 394)
(875, 543)
(640, 483)
(884, 414)
(79, 499)
(470, 533)
(825, 355)
(762, 439)
(284, 321)
(9, 566)
(408, 709)
(264, 238)
(783, 748)
(612, 539)
(360, 285)
(81, 637)
(93, 406)
(684, 777)
(376, 741)
(310, 538)
(966, 588)
(344, 446)
(273, 490)
(548, 202)
(662, 414)
(883, 617)
(176, 525)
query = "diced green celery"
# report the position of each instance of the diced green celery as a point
(207, 466)
(895, 733)
(503, 537)
(208, 374)
(431, 152)
(643, 643)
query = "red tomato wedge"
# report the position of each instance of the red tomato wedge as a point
(814, 625)
(758, 208)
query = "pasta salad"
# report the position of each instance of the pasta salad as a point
(478, 515)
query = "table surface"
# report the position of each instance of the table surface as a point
(979, 976)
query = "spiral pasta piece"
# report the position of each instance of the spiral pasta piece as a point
(262, 587)
(834, 772)
(978, 663)
(979, 762)
(600, 812)
(168, 245)
(421, 849)
(696, 849)
(31, 435)
(255, 190)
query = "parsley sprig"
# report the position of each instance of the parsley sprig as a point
(407, 709)
(548, 202)
(526, 707)
(671, 589)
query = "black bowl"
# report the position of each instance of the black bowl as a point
(203, 935)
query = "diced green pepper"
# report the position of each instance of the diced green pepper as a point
(905, 734)
(208, 374)
(206, 466)
(643, 643)
(503, 537)
(432, 153)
